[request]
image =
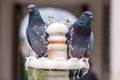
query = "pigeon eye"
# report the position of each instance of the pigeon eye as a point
(86, 14)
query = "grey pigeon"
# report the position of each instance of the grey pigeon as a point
(35, 32)
(80, 41)
(80, 36)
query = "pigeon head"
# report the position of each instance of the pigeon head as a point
(88, 14)
(84, 20)
(32, 8)
(34, 13)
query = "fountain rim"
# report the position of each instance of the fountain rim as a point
(57, 63)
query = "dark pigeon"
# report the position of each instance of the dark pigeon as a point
(80, 41)
(80, 36)
(36, 33)
(88, 76)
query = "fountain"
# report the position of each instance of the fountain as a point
(56, 66)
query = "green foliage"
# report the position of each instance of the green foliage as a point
(35, 74)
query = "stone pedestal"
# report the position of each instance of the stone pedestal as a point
(57, 41)
(56, 75)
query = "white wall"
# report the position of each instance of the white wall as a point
(115, 40)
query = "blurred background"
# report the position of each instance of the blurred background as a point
(104, 57)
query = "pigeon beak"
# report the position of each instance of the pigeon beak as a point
(91, 17)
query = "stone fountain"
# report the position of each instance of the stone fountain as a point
(56, 65)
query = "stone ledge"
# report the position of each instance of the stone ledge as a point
(56, 63)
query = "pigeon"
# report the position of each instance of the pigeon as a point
(36, 32)
(80, 41)
(80, 37)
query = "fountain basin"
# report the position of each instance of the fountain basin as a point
(56, 63)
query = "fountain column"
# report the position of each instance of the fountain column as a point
(57, 48)
(57, 75)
